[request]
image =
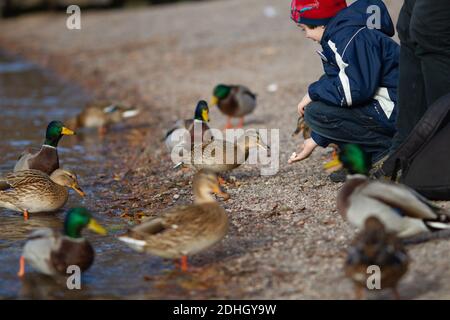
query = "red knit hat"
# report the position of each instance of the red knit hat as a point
(315, 12)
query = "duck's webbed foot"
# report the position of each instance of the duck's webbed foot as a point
(21, 272)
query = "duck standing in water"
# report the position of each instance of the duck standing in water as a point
(32, 191)
(186, 230)
(51, 252)
(235, 101)
(46, 159)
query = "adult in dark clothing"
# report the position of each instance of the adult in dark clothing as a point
(424, 31)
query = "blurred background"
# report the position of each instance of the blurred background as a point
(10, 8)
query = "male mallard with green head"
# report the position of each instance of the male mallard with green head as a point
(374, 246)
(201, 119)
(51, 252)
(401, 209)
(32, 191)
(46, 159)
(235, 101)
(101, 115)
(186, 230)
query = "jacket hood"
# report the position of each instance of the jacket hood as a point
(356, 16)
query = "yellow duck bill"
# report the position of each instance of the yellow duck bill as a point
(67, 132)
(214, 101)
(96, 227)
(333, 165)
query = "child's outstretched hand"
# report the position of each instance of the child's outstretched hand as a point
(308, 147)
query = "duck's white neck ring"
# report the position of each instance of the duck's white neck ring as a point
(48, 146)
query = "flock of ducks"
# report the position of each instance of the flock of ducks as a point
(384, 212)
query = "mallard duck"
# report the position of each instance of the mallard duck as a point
(302, 128)
(376, 247)
(220, 156)
(235, 101)
(401, 209)
(51, 252)
(186, 230)
(200, 135)
(46, 159)
(32, 191)
(101, 115)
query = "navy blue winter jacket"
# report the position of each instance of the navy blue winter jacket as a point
(360, 63)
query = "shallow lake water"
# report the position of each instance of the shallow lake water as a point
(30, 97)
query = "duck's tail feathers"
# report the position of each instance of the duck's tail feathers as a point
(130, 113)
(437, 225)
(178, 165)
(442, 222)
(135, 244)
(425, 237)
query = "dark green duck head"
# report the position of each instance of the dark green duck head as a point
(202, 111)
(79, 218)
(54, 133)
(353, 158)
(220, 92)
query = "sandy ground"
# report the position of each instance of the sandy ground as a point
(286, 239)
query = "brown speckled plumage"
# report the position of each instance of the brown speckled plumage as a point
(376, 247)
(205, 156)
(183, 230)
(34, 191)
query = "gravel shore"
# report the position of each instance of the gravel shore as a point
(286, 239)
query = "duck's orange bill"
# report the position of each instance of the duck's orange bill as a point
(78, 190)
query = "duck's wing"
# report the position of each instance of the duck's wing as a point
(4, 184)
(176, 219)
(24, 177)
(161, 227)
(23, 161)
(149, 227)
(403, 198)
(215, 152)
(246, 100)
(246, 92)
(180, 124)
(167, 220)
(38, 248)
